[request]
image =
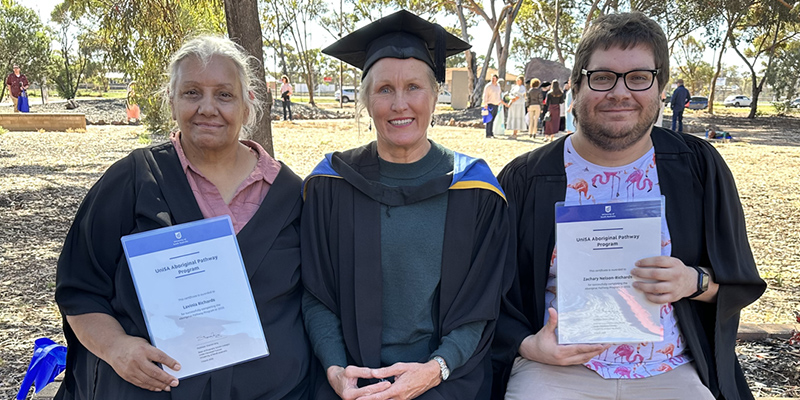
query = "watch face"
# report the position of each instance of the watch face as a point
(705, 282)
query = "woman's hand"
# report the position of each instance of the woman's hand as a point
(344, 382)
(131, 357)
(543, 347)
(411, 380)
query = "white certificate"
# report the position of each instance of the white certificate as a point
(597, 247)
(195, 295)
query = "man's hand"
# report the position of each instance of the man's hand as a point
(133, 360)
(666, 279)
(543, 347)
(344, 382)
(411, 380)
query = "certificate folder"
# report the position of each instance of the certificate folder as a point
(195, 295)
(597, 246)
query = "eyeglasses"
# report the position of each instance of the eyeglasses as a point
(636, 81)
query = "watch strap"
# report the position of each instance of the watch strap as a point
(700, 287)
(444, 371)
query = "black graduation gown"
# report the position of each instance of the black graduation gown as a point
(342, 262)
(147, 190)
(707, 228)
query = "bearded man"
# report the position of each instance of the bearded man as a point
(705, 273)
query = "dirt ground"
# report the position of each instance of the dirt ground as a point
(44, 176)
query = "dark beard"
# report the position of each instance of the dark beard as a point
(611, 140)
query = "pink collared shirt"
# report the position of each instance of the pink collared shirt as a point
(249, 195)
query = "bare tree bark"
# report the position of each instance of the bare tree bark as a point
(590, 15)
(556, 41)
(244, 28)
(503, 56)
(477, 91)
(468, 54)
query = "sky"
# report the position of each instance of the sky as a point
(321, 39)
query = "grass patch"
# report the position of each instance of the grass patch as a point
(144, 138)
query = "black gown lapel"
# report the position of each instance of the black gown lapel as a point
(272, 216)
(367, 279)
(174, 185)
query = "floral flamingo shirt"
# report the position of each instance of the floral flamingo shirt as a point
(588, 183)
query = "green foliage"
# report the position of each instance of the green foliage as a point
(691, 67)
(784, 77)
(781, 107)
(536, 21)
(3, 131)
(144, 138)
(140, 36)
(25, 41)
(70, 61)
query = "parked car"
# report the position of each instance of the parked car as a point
(795, 103)
(698, 103)
(737, 101)
(444, 97)
(349, 95)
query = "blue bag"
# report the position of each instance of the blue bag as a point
(49, 359)
(22, 102)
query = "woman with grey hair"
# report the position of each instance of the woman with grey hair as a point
(205, 170)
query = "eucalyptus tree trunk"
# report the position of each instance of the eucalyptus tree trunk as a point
(244, 28)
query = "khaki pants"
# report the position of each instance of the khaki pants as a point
(532, 380)
(15, 100)
(533, 119)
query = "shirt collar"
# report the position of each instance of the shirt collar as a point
(267, 168)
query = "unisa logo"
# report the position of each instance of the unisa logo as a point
(608, 209)
(178, 235)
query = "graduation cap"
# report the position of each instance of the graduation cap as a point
(400, 35)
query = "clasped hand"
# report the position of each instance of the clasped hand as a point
(410, 381)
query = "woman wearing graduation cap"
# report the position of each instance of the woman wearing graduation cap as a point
(403, 240)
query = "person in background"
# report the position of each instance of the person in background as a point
(545, 89)
(569, 125)
(286, 97)
(534, 102)
(680, 96)
(660, 120)
(16, 83)
(516, 108)
(131, 108)
(705, 272)
(554, 100)
(492, 98)
(403, 240)
(204, 170)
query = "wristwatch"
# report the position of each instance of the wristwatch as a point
(442, 368)
(702, 282)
